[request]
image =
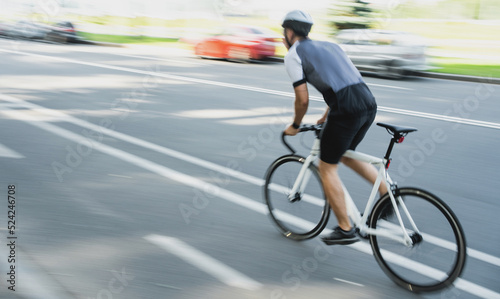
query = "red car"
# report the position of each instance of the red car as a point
(240, 43)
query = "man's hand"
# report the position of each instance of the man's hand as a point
(291, 131)
(322, 120)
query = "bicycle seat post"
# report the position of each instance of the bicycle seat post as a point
(398, 135)
(387, 156)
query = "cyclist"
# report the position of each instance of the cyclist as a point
(350, 112)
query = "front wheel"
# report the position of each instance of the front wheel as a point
(298, 216)
(437, 253)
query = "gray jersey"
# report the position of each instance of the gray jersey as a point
(325, 66)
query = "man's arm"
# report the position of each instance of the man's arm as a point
(301, 105)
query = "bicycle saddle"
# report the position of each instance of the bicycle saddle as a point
(397, 130)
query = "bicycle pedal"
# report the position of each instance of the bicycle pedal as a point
(295, 198)
(361, 235)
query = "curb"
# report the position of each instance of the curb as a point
(486, 80)
(103, 44)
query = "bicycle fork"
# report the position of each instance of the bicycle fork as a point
(416, 236)
(305, 174)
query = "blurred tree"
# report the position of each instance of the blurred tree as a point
(351, 14)
(477, 10)
(449, 9)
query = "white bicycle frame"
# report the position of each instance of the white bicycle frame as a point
(400, 234)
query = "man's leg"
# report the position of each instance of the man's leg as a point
(334, 193)
(365, 170)
(344, 233)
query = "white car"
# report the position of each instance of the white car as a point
(389, 53)
(28, 30)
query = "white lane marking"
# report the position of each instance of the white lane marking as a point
(223, 193)
(472, 288)
(198, 63)
(161, 75)
(10, 105)
(452, 119)
(120, 176)
(487, 258)
(146, 164)
(460, 283)
(257, 89)
(389, 86)
(169, 152)
(158, 59)
(8, 153)
(349, 282)
(204, 262)
(425, 270)
(34, 282)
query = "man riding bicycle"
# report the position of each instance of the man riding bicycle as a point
(350, 112)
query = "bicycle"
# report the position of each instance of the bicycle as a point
(421, 251)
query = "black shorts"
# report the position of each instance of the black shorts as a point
(342, 133)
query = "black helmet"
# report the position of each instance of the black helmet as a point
(299, 21)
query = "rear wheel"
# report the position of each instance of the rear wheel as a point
(56, 38)
(392, 70)
(298, 216)
(436, 257)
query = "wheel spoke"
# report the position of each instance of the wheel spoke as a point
(303, 217)
(440, 245)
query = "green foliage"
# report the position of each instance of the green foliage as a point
(351, 14)
(488, 71)
(449, 9)
(124, 39)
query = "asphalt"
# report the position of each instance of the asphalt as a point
(77, 234)
(434, 75)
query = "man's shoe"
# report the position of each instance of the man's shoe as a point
(387, 212)
(341, 237)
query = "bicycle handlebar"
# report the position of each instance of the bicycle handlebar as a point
(316, 128)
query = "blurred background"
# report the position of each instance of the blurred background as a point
(133, 157)
(451, 36)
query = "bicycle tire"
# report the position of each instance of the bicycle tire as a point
(439, 256)
(308, 215)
